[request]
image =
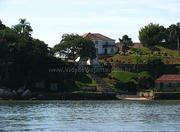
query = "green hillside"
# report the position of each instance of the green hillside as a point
(141, 55)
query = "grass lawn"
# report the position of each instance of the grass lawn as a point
(141, 55)
(85, 80)
(121, 76)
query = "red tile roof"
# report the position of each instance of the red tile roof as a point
(97, 36)
(109, 46)
(137, 45)
(169, 78)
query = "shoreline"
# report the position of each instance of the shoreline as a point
(94, 96)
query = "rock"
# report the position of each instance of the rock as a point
(146, 95)
(2, 92)
(27, 93)
(53, 87)
(33, 99)
(20, 90)
(40, 96)
(5, 93)
(40, 85)
(14, 93)
(3, 87)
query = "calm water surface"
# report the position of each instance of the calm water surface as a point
(89, 116)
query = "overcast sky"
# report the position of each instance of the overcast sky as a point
(113, 18)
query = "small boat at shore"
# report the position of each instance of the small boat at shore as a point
(131, 97)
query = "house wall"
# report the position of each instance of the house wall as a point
(167, 86)
(101, 50)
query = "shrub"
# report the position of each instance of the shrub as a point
(128, 86)
(145, 80)
(156, 66)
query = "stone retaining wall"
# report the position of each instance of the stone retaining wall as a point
(166, 96)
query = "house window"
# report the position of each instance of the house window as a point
(112, 50)
(161, 85)
(96, 42)
(178, 84)
(106, 43)
(169, 84)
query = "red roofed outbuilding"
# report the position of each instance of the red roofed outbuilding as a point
(168, 83)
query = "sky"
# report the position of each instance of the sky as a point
(50, 19)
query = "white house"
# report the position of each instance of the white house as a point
(104, 45)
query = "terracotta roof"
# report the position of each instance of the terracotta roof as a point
(169, 78)
(109, 46)
(97, 36)
(137, 45)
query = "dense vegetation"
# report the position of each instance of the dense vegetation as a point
(25, 61)
(155, 34)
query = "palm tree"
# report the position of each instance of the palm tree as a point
(174, 31)
(23, 27)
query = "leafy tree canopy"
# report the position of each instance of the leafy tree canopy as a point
(23, 28)
(126, 41)
(173, 32)
(152, 34)
(73, 45)
(2, 26)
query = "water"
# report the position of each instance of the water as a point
(89, 116)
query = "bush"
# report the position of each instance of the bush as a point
(156, 67)
(145, 80)
(130, 86)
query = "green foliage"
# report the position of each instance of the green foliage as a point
(178, 69)
(123, 76)
(126, 41)
(73, 46)
(124, 81)
(2, 26)
(152, 34)
(156, 66)
(174, 35)
(145, 80)
(23, 28)
(127, 87)
(25, 61)
(83, 79)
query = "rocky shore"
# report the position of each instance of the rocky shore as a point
(26, 94)
(20, 94)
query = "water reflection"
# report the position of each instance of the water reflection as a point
(89, 115)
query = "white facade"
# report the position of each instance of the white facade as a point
(104, 47)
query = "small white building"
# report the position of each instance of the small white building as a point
(104, 45)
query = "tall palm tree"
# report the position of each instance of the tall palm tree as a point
(23, 27)
(174, 31)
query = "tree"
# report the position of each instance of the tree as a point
(73, 45)
(69, 37)
(86, 48)
(174, 34)
(23, 28)
(25, 61)
(151, 35)
(126, 41)
(68, 46)
(2, 26)
(145, 80)
(156, 67)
